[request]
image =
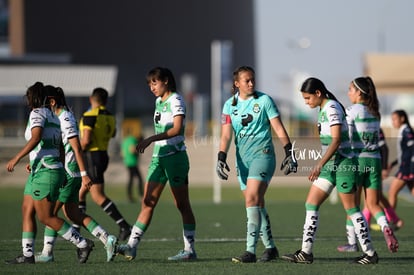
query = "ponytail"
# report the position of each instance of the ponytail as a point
(368, 94)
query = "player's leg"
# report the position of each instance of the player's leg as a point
(176, 168)
(351, 245)
(318, 193)
(182, 201)
(152, 191)
(28, 230)
(49, 239)
(395, 187)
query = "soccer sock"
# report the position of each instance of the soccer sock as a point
(266, 230)
(381, 220)
(361, 230)
(49, 239)
(253, 228)
(95, 229)
(82, 208)
(28, 243)
(137, 232)
(110, 208)
(310, 227)
(391, 215)
(71, 234)
(350, 232)
(189, 236)
(367, 215)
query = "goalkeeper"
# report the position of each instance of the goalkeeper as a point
(251, 115)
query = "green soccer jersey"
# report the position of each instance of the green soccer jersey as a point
(332, 114)
(47, 152)
(364, 131)
(69, 130)
(129, 157)
(250, 120)
(164, 114)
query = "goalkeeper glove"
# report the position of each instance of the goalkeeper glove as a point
(289, 164)
(221, 165)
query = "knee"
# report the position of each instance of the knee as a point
(44, 219)
(148, 204)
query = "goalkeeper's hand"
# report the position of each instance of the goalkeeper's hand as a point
(221, 165)
(289, 164)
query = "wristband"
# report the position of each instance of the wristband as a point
(288, 148)
(222, 156)
(83, 173)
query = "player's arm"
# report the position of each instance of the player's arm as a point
(226, 136)
(178, 123)
(332, 148)
(289, 163)
(225, 139)
(30, 145)
(280, 130)
(86, 138)
(77, 150)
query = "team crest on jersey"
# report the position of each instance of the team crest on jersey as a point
(235, 112)
(256, 108)
(165, 107)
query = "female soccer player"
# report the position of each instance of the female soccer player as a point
(251, 115)
(363, 119)
(46, 177)
(75, 176)
(169, 163)
(405, 160)
(336, 168)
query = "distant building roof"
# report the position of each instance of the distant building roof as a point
(391, 73)
(75, 80)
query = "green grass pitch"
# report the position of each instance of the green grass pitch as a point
(220, 235)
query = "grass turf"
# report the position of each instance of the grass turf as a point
(220, 235)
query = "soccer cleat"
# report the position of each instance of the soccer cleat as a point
(299, 257)
(44, 258)
(390, 239)
(110, 247)
(184, 255)
(246, 257)
(365, 259)
(128, 252)
(124, 233)
(21, 259)
(348, 248)
(83, 253)
(270, 254)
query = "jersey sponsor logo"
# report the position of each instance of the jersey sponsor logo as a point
(246, 119)
(157, 117)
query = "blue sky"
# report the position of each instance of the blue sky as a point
(326, 39)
